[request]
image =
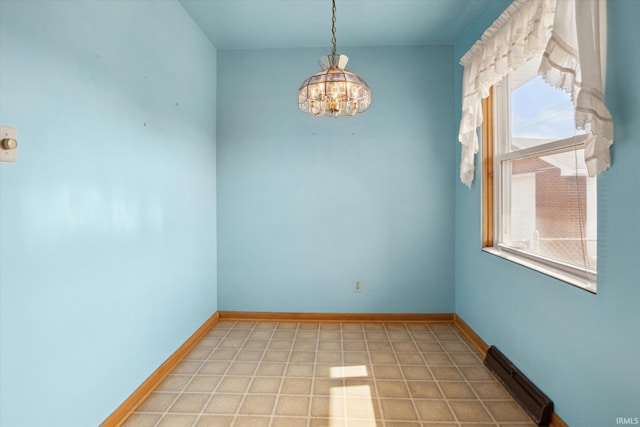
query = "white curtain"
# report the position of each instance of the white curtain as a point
(571, 35)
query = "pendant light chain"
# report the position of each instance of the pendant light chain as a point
(333, 27)
(334, 91)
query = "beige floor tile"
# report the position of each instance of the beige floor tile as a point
(299, 370)
(330, 335)
(410, 358)
(359, 388)
(276, 356)
(327, 407)
(446, 336)
(457, 390)
(265, 385)
(476, 373)
(223, 354)
(233, 384)
(266, 325)
(214, 368)
(433, 410)
(420, 336)
(231, 343)
(490, 390)
(187, 367)
(355, 357)
(329, 357)
(203, 383)
(446, 373)
(141, 420)
(355, 326)
(307, 335)
(289, 422)
(383, 358)
(461, 359)
(189, 403)
(174, 420)
(238, 333)
(280, 344)
(208, 342)
(242, 368)
(404, 347)
(157, 402)
(392, 389)
(250, 355)
(309, 326)
(261, 333)
(198, 354)
(379, 346)
(226, 404)
(327, 422)
(353, 335)
(258, 404)
(327, 386)
(437, 359)
(376, 335)
(402, 424)
(506, 411)
(453, 347)
(354, 346)
(292, 405)
(395, 326)
(384, 372)
(430, 346)
(255, 344)
(252, 421)
(214, 421)
(398, 409)
(309, 374)
(301, 356)
(362, 408)
(441, 326)
(287, 325)
(469, 410)
(296, 386)
(328, 346)
(396, 336)
(174, 383)
(284, 335)
(270, 369)
(419, 373)
(424, 390)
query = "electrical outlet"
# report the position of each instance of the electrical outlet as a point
(357, 286)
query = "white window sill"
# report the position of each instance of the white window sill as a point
(588, 284)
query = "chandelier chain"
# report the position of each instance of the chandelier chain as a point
(333, 26)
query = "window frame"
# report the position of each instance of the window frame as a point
(496, 128)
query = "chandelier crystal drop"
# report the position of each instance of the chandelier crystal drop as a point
(334, 91)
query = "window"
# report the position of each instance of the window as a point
(539, 204)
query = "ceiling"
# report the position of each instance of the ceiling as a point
(261, 24)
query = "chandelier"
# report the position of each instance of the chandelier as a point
(334, 91)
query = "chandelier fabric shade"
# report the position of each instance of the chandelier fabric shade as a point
(334, 91)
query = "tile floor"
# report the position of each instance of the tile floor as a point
(288, 374)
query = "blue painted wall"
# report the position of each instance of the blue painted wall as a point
(307, 205)
(581, 349)
(108, 218)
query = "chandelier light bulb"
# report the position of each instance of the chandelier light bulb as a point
(334, 91)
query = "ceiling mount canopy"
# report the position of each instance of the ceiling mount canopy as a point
(334, 91)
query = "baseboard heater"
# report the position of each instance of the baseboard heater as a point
(533, 401)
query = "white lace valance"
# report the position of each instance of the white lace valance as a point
(572, 36)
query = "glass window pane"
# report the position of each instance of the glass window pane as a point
(539, 113)
(549, 208)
